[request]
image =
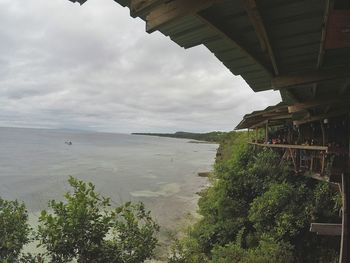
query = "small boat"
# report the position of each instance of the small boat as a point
(68, 142)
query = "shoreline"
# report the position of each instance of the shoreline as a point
(181, 211)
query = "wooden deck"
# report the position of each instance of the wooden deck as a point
(292, 146)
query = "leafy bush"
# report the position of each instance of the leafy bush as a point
(84, 228)
(14, 230)
(257, 210)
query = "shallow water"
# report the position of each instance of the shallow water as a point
(161, 172)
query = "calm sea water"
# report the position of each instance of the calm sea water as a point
(162, 172)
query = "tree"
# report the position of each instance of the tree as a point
(14, 230)
(85, 228)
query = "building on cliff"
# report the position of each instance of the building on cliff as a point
(301, 49)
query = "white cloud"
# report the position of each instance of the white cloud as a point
(94, 67)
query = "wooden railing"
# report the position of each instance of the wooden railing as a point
(309, 160)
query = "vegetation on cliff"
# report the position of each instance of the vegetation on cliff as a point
(257, 210)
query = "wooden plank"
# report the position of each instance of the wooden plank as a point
(293, 146)
(321, 117)
(255, 18)
(345, 87)
(258, 64)
(338, 30)
(345, 242)
(170, 11)
(316, 103)
(323, 35)
(259, 124)
(290, 80)
(137, 7)
(326, 229)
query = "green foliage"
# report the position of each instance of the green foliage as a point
(257, 210)
(86, 229)
(267, 251)
(30, 258)
(14, 230)
(279, 212)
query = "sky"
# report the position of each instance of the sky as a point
(93, 67)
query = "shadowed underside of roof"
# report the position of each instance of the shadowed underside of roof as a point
(289, 45)
(301, 48)
(274, 115)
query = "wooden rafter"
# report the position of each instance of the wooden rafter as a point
(323, 35)
(259, 125)
(138, 7)
(312, 104)
(322, 44)
(167, 12)
(235, 42)
(290, 80)
(321, 117)
(255, 18)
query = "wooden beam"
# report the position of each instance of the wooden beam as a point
(293, 146)
(314, 90)
(287, 81)
(316, 103)
(323, 35)
(138, 7)
(259, 125)
(255, 18)
(345, 87)
(170, 11)
(326, 229)
(345, 237)
(320, 117)
(235, 42)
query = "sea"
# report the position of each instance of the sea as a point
(161, 172)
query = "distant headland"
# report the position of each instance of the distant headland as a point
(215, 136)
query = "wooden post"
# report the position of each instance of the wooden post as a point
(323, 133)
(267, 132)
(344, 246)
(345, 242)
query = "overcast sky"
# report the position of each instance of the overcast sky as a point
(93, 67)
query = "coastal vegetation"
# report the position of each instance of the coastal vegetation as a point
(215, 136)
(84, 228)
(257, 210)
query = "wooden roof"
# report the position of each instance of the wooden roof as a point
(301, 48)
(274, 115)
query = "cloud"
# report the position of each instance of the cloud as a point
(94, 67)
